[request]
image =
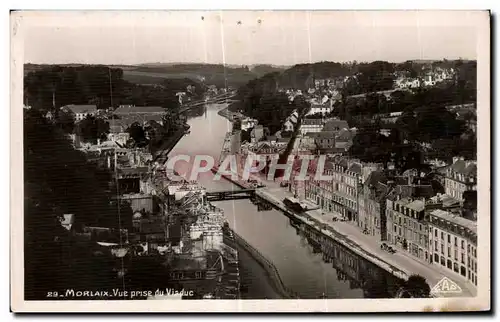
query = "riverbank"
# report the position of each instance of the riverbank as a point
(227, 114)
(253, 287)
(399, 265)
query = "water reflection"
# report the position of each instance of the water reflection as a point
(305, 264)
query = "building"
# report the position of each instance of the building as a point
(139, 202)
(248, 123)
(80, 112)
(340, 195)
(372, 205)
(407, 214)
(257, 133)
(263, 151)
(453, 243)
(67, 221)
(125, 116)
(311, 125)
(324, 141)
(290, 122)
(335, 125)
(132, 109)
(323, 108)
(208, 229)
(461, 176)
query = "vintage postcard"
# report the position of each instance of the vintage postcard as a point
(250, 161)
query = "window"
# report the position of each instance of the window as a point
(449, 238)
(435, 245)
(456, 241)
(395, 229)
(456, 254)
(463, 244)
(442, 249)
(442, 235)
(463, 258)
(455, 267)
(198, 274)
(468, 249)
(449, 251)
(435, 232)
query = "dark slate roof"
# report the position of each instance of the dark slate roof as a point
(128, 109)
(340, 160)
(345, 135)
(355, 167)
(323, 135)
(125, 121)
(333, 125)
(375, 177)
(80, 108)
(461, 166)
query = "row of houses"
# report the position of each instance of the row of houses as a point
(413, 212)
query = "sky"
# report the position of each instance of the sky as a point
(248, 37)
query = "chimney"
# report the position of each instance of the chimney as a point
(409, 179)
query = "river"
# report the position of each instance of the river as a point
(270, 232)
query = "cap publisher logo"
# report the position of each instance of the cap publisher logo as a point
(446, 286)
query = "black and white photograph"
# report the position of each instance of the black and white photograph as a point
(250, 160)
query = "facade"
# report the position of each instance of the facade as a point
(461, 176)
(372, 205)
(335, 125)
(340, 195)
(407, 211)
(453, 243)
(80, 112)
(120, 138)
(311, 125)
(257, 133)
(248, 123)
(139, 202)
(208, 228)
(323, 108)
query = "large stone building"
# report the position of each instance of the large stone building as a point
(80, 112)
(372, 201)
(453, 243)
(407, 211)
(340, 194)
(461, 176)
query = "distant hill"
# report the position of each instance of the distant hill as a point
(211, 74)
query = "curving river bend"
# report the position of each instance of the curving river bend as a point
(270, 231)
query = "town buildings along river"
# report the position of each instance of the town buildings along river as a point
(293, 251)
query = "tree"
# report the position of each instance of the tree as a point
(92, 129)
(137, 133)
(66, 122)
(415, 287)
(51, 169)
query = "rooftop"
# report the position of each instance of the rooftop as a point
(307, 122)
(131, 109)
(335, 125)
(465, 167)
(456, 219)
(81, 108)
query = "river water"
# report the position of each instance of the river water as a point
(269, 231)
